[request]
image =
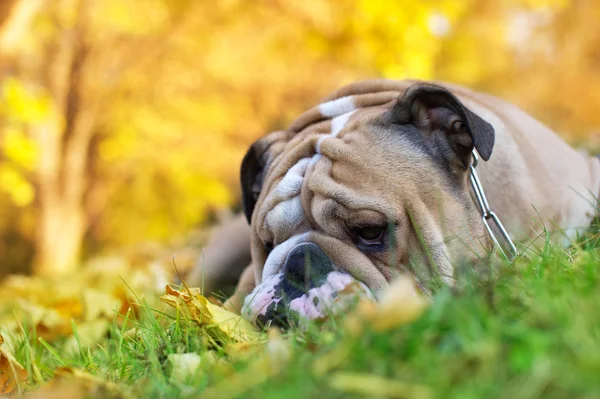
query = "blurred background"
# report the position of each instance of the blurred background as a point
(123, 123)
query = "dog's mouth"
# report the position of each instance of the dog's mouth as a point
(277, 301)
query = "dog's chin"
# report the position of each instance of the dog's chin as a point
(277, 302)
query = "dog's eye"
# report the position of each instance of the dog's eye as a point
(371, 235)
(268, 247)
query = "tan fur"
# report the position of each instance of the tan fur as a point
(533, 180)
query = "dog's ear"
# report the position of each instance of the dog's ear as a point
(255, 165)
(433, 109)
(252, 175)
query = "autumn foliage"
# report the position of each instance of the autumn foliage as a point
(122, 127)
(125, 122)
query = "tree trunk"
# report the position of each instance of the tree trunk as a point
(64, 141)
(60, 221)
(15, 19)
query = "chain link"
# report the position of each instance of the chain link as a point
(488, 216)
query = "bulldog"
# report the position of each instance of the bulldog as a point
(377, 181)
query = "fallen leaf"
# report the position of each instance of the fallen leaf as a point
(279, 351)
(88, 295)
(196, 307)
(400, 304)
(333, 359)
(236, 384)
(244, 351)
(11, 371)
(89, 333)
(99, 304)
(183, 366)
(48, 322)
(375, 386)
(60, 389)
(76, 384)
(83, 376)
(232, 324)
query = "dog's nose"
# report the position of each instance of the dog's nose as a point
(307, 266)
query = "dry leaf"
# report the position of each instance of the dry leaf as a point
(99, 304)
(76, 384)
(375, 386)
(11, 372)
(232, 324)
(91, 294)
(83, 377)
(279, 351)
(236, 384)
(244, 351)
(196, 307)
(183, 366)
(333, 359)
(400, 304)
(60, 389)
(48, 322)
(90, 333)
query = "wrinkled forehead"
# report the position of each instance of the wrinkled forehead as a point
(309, 155)
(350, 107)
(329, 120)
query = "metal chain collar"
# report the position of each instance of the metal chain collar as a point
(488, 216)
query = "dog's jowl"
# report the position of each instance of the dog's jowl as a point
(374, 182)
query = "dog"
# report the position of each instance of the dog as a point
(386, 178)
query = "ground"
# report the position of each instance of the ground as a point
(533, 331)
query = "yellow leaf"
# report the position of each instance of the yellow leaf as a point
(542, 4)
(16, 186)
(89, 333)
(11, 371)
(48, 322)
(99, 304)
(23, 103)
(375, 386)
(279, 351)
(75, 384)
(401, 303)
(333, 359)
(194, 306)
(233, 325)
(184, 366)
(19, 148)
(83, 377)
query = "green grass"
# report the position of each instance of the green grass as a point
(532, 332)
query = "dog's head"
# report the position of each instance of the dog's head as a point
(368, 185)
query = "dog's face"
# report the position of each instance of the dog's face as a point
(348, 203)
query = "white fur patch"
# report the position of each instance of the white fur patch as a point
(325, 295)
(263, 295)
(287, 215)
(333, 296)
(337, 107)
(315, 158)
(291, 183)
(320, 141)
(337, 124)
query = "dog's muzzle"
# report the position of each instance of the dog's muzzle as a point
(307, 288)
(306, 266)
